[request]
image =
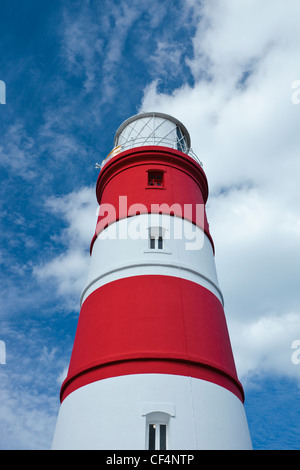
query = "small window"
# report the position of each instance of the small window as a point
(155, 178)
(160, 243)
(156, 239)
(158, 425)
(152, 243)
(157, 436)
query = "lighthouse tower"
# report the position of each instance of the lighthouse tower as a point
(152, 365)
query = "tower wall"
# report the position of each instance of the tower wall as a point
(114, 413)
(152, 363)
(123, 185)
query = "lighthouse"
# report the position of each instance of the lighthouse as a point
(152, 366)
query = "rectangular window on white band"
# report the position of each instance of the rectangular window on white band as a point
(157, 436)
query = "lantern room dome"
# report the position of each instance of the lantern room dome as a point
(153, 128)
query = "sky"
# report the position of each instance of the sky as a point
(73, 71)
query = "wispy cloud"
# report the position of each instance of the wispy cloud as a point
(16, 151)
(29, 390)
(95, 43)
(81, 44)
(28, 419)
(67, 271)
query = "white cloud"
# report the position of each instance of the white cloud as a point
(167, 54)
(265, 345)
(29, 397)
(68, 270)
(63, 374)
(27, 418)
(79, 210)
(245, 130)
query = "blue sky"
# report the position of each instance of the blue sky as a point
(74, 71)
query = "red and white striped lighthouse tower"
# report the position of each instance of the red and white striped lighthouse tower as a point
(152, 365)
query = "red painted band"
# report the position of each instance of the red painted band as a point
(152, 155)
(161, 319)
(151, 366)
(185, 187)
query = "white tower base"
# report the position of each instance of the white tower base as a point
(197, 414)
